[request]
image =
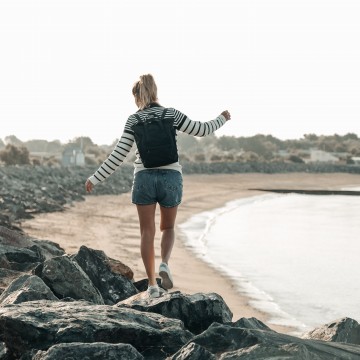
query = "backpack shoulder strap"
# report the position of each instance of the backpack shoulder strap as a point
(138, 118)
(141, 121)
(163, 113)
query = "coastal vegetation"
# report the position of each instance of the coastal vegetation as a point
(311, 148)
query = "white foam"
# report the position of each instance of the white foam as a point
(351, 188)
(196, 231)
(293, 255)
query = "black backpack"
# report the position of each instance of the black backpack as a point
(155, 138)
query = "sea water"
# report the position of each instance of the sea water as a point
(296, 257)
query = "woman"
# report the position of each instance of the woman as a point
(161, 184)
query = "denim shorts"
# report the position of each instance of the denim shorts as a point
(163, 186)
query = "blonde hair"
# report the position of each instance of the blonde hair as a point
(145, 91)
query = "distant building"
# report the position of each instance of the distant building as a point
(73, 157)
(356, 160)
(283, 153)
(322, 156)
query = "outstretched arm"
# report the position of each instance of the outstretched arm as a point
(198, 128)
(113, 161)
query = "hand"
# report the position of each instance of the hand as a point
(89, 186)
(226, 115)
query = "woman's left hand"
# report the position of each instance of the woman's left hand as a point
(226, 115)
(89, 186)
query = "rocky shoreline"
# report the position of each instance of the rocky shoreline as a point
(87, 305)
(28, 190)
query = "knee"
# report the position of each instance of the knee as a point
(148, 233)
(166, 228)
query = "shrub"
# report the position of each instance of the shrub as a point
(36, 162)
(90, 160)
(13, 155)
(296, 159)
(215, 157)
(199, 157)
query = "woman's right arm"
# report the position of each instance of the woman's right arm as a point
(115, 159)
(198, 128)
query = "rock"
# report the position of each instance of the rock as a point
(233, 342)
(26, 288)
(14, 238)
(66, 278)
(94, 351)
(344, 330)
(3, 351)
(6, 221)
(197, 311)
(117, 267)
(192, 351)
(113, 287)
(29, 355)
(20, 252)
(16, 257)
(219, 338)
(42, 324)
(273, 351)
(20, 259)
(6, 277)
(143, 284)
(48, 248)
(4, 263)
(29, 190)
(250, 323)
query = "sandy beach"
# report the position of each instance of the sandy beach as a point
(109, 223)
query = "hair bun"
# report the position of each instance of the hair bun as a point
(145, 90)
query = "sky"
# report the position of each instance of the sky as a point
(281, 67)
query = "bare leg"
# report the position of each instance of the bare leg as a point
(146, 215)
(167, 223)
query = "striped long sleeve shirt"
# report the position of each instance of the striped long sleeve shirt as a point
(181, 123)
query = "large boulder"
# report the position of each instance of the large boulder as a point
(20, 252)
(113, 287)
(229, 341)
(197, 311)
(19, 259)
(66, 278)
(344, 330)
(14, 238)
(48, 248)
(193, 351)
(250, 323)
(26, 288)
(94, 351)
(7, 276)
(273, 351)
(42, 324)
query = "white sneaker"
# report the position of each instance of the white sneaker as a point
(153, 291)
(166, 278)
